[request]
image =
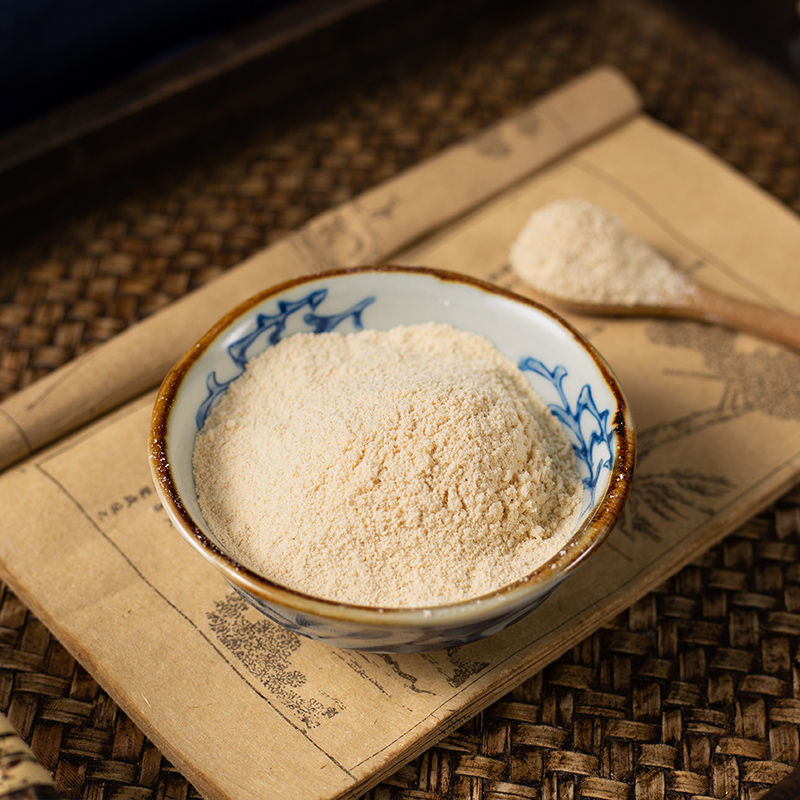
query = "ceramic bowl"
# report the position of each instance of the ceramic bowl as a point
(566, 371)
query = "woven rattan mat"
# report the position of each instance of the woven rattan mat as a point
(693, 691)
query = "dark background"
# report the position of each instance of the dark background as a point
(54, 51)
(91, 91)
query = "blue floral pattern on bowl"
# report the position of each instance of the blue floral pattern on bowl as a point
(586, 425)
(275, 325)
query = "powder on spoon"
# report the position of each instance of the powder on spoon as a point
(413, 467)
(575, 250)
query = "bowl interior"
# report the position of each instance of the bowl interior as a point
(566, 373)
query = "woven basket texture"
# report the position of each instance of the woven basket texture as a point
(692, 693)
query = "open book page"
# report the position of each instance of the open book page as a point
(249, 710)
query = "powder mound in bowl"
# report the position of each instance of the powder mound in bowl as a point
(575, 250)
(403, 468)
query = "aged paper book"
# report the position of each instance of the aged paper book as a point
(248, 710)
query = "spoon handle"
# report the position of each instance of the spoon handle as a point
(768, 323)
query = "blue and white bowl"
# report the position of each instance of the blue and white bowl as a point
(566, 371)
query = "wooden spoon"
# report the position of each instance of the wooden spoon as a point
(702, 304)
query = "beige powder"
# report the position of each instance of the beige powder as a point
(575, 250)
(413, 467)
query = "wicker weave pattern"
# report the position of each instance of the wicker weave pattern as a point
(693, 692)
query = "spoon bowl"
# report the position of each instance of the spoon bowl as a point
(593, 265)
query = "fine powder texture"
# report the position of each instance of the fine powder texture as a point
(575, 250)
(413, 467)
